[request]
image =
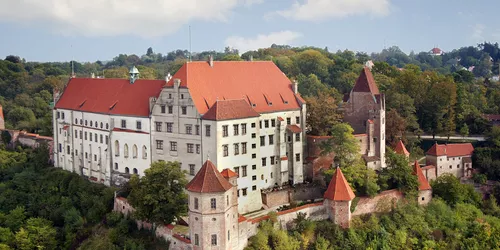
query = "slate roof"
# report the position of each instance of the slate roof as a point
(366, 82)
(260, 83)
(339, 189)
(423, 184)
(451, 150)
(230, 109)
(208, 180)
(110, 96)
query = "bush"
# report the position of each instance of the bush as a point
(113, 218)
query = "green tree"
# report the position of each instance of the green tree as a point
(464, 130)
(159, 196)
(494, 136)
(398, 174)
(342, 143)
(449, 188)
(395, 127)
(322, 113)
(38, 233)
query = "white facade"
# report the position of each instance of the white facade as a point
(459, 166)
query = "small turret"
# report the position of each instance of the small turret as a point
(133, 74)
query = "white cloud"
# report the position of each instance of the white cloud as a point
(318, 10)
(145, 18)
(262, 41)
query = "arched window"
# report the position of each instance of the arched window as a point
(117, 148)
(144, 152)
(135, 171)
(116, 166)
(127, 171)
(102, 125)
(107, 125)
(125, 151)
(96, 124)
(134, 151)
(91, 123)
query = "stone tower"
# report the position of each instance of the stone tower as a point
(213, 209)
(364, 110)
(2, 119)
(338, 199)
(424, 189)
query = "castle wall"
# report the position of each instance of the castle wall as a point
(285, 196)
(379, 203)
(424, 197)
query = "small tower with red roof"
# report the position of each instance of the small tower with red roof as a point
(424, 189)
(338, 198)
(213, 209)
(401, 149)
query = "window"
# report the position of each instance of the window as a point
(139, 125)
(170, 109)
(127, 171)
(182, 96)
(85, 122)
(458, 166)
(191, 169)
(107, 125)
(254, 145)
(297, 137)
(145, 152)
(169, 96)
(297, 157)
(262, 141)
(117, 148)
(116, 166)
(225, 150)
(106, 139)
(260, 124)
(297, 120)
(86, 155)
(58, 115)
(190, 148)
(271, 139)
(134, 151)
(124, 123)
(197, 129)
(214, 239)
(95, 137)
(158, 126)
(288, 121)
(236, 149)
(228, 236)
(100, 139)
(95, 157)
(273, 123)
(264, 161)
(207, 130)
(243, 148)
(254, 135)
(135, 171)
(163, 109)
(213, 203)
(159, 144)
(236, 129)
(237, 170)
(196, 239)
(173, 146)
(170, 127)
(253, 125)
(81, 122)
(254, 156)
(125, 151)
(224, 131)
(244, 192)
(68, 149)
(254, 177)
(244, 171)
(102, 125)
(90, 136)
(184, 110)
(189, 129)
(198, 148)
(244, 129)
(81, 133)
(95, 124)
(62, 113)
(254, 167)
(266, 123)
(254, 187)
(195, 203)
(272, 160)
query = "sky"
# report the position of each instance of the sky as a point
(91, 30)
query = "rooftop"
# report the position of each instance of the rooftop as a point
(366, 82)
(451, 150)
(423, 184)
(208, 180)
(339, 189)
(401, 149)
(230, 109)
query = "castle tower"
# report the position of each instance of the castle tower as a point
(2, 119)
(401, 149)
(365, 103)
(338, 199)
(213, 209)
(424, 189)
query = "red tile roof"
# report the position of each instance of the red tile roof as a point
(228, 173)
(366, 82)
(230, 109)
(259, 82)
(401, 149)
(280, 118)
(451, 150)
(294, 128)
(436, 50)
(208, 180)
(284, 158)
(110, 96)
(241, 218)
(423, 184)
(339, 189)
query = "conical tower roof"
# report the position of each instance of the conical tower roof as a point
(366, 82)
(208, 180)
(401, 149)
(423, 184)
(339, 189)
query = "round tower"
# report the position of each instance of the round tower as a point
(213, 209)
(338, 199)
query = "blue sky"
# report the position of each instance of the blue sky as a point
(90, 30)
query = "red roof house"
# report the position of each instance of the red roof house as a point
(401, 149)
(339, 189)
(208, 180)
(451, 150)
(423, 184)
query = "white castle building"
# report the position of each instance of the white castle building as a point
(244, 115)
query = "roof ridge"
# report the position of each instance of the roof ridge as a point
(339, 189)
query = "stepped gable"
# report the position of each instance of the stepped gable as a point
(208, 180)
(228, 173)
(451, 150)
(230, 109)
(401, 149)
(110, 96)
(366, 82)
(423, 184)
(261, 83)
(339, 189)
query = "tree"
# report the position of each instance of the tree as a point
(38, 233)
(150, 52)
(159, 196)
(395, 127)
(398, 174)
(342, 143)
(494, 136)
(449, 188)
(6, 137)
(322, 113)
(464, 130)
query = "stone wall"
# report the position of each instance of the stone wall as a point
(297, 193)
(380, 203)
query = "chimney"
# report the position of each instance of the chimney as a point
(295, 87)
(250, 58)
(211, 60)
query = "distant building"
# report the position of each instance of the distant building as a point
(436, 52)
(449, 158)
(494, 119)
